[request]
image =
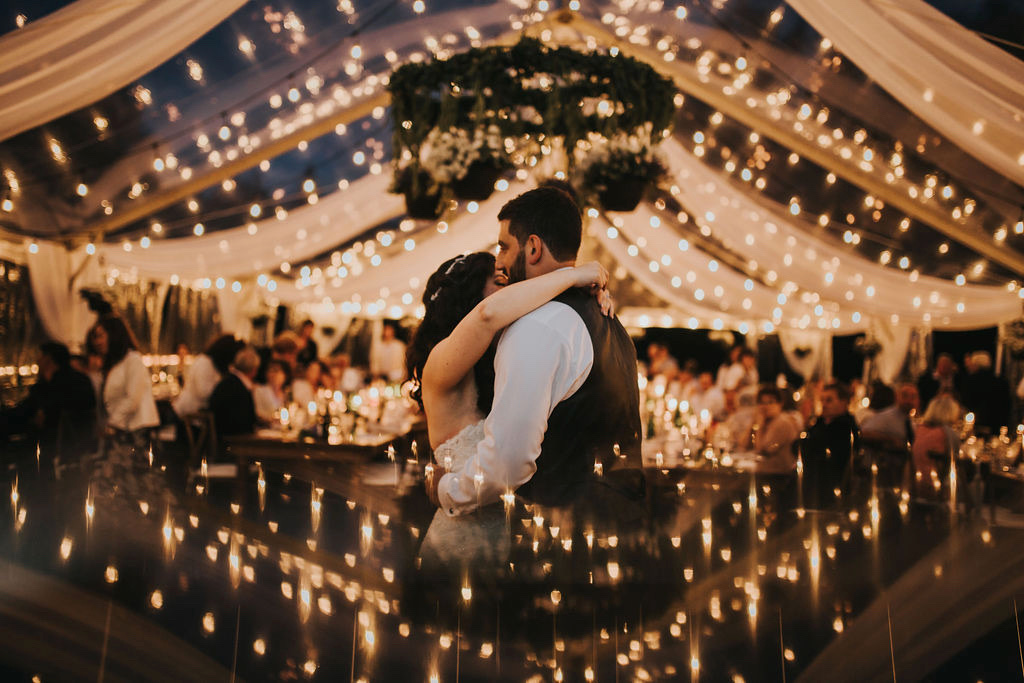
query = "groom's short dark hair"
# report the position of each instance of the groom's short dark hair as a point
(549, 213)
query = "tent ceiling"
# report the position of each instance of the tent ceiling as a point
(304, 135)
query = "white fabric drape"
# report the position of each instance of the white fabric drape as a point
(57, 275)
(895, 341)
(762, 231)
(236, 310)
(395, 276)
(89, 49)
(967, 89)
(234, 253)
(808, 352)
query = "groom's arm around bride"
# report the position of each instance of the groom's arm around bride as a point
(565, 391)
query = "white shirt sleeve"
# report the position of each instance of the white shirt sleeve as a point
(130, 401)
(200, 381)
(542, 359)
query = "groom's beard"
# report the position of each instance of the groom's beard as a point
(517, 271)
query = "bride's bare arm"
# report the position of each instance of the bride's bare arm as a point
(452, 359)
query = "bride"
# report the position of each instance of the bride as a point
(450, 360)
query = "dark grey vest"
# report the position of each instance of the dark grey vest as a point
(605, 411)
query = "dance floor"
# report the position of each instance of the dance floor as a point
(307, 570)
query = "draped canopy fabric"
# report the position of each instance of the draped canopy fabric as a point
(56, 276)
(964, 87)
(767, 235)
(89, 49)
(236, 253)
(851, 289)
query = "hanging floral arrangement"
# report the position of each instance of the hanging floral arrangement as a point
(616, 172)
(455, 118)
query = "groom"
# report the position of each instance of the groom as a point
(565, 391)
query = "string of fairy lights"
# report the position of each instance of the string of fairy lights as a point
(735, 73)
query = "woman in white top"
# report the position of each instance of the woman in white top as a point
(128, 402)
(308, 382)
(269, 398)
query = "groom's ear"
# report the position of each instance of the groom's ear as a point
(534, 248)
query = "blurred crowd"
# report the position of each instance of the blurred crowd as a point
(79, 402)
(907, 435)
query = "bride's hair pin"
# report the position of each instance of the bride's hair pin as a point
(447, 272)
(455, 263)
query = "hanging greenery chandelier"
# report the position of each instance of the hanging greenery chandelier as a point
(466, 119)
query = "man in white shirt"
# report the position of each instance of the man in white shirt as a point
(560, 410)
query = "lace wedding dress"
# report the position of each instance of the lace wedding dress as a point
(477, 541)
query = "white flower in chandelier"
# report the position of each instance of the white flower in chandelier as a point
(447, 155)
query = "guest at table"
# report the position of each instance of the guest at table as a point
(943, 379)
(346, 377)
(271, 396)
(826, 449)
(935, 443)
(128, 403)
(387, 356)
(660, 362)
(308, 351)
(308, 381)
(234, 411)
(741, 375)
(685, 382)
(707, 396)
(888, 433)
(880, 396)
(59, 413)
(729, 367)
(286, 348)
(775, 431)
(739, 422)
(204, 373)
(986, 395)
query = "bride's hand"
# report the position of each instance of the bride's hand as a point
(591, 275)
(605, 301)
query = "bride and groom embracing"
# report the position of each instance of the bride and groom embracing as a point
(548, 412)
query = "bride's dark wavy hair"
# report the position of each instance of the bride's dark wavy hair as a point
(451, 293)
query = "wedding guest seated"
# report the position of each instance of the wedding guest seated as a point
(685, 381)
(986, 395)
(204, 373)
(888, 434)
(775, 430)
(880, 396)
(308, 351)
(827, 447)
(234, 411)
(271, 396)
(660, 362)
(127, 385)
(347, 377)
(935, 443)
(59, 413)
(729, 367)
(387, 356)
(943, 379)
(741, 375)
(307, 382)
(707, 396)
(740, 422)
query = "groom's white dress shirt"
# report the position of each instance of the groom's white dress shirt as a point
(542, 359)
